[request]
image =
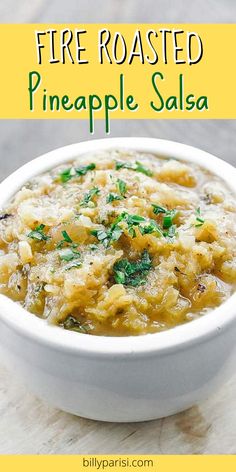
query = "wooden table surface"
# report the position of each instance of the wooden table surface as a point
(27, 425)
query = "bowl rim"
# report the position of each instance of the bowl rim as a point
(174, 339)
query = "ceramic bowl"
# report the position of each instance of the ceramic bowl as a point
(119, 379)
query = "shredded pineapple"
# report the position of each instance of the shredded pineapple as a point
(120, 243)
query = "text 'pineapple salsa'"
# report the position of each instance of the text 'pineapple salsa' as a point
(119, 243)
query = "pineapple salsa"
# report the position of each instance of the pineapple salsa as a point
(119, 243)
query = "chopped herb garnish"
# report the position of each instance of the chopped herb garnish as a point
(66, 237)
(84, 169)
(89, 196)
(168, 218)
(111, 197)
(71, 172)
(142, 169)
(171, 233)
(115, 232)
(68, 254)
(73, 264)
(122, 187)
(199, 220)
(145, 226)
(38, 233)
(124, 165)
(67, 174)
(99, 234)
(137, 166)
(157, 209)
(133, 220)
(132, 273)
(73, 324)
(109, 236)
(151, 227)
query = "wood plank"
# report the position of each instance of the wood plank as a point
(29, 426)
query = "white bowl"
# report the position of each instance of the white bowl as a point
(120, 378)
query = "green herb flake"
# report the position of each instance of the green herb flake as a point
(144, 225)
(157, 209)
(199, 220)
(122, 187)
(84, 169)
(67, 174)
(119, 276)
(133, 273)
(142, 169)
(38, 234)
(169, 218)
(66, 237)
(73, 265)
(137, 166)
(171, 233)
(132, 220)
(111, 197)
(99, 234)
(115, 233)
(123, 165)
(88, 197)
(73, 324)
(71, 172)
(68, 254)
(109, 236)
(151, 227)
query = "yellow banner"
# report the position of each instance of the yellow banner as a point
(110, 71)
(164, 463)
